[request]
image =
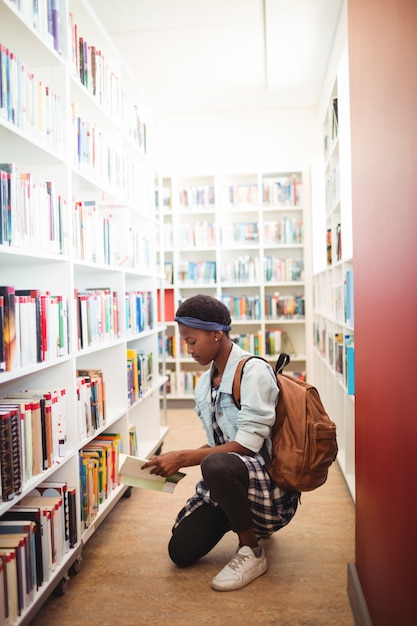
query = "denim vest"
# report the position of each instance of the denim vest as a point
(251, 425)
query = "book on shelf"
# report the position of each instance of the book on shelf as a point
(338, 235)
(24, 531)
(329, 246)
(133, 440)
(350, 364)
(132, 474)
(9, 326)
(92, 380)
(10, 557)
(349, 299)
(10, 451)
(33, 515)
(169, 305)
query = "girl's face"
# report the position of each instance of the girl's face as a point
(201, 344)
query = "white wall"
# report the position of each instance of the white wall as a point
(239, 141)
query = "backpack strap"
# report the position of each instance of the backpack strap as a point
(282, 361)
(237, 380)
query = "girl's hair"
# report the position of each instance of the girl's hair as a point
(205, 308)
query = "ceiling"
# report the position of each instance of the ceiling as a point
(205, 55)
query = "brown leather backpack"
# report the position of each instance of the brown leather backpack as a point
(304, 441)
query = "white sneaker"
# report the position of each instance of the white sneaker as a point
(242, 568)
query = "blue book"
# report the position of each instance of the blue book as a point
(350, 358)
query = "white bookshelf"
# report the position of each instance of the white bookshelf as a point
(117, 173)
(333, 320)
(241, 243)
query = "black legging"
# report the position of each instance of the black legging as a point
(227, 477)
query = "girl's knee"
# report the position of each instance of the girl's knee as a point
(213, 464)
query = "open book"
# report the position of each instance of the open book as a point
(131, 473)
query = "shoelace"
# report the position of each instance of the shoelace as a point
(237, 560)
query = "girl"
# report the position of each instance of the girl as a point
(236, 492)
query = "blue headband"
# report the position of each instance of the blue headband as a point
(193, 322)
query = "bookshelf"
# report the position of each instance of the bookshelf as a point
(79, 228)
(333, 302)
(242, 238)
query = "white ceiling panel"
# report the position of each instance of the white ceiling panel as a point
(194, 55)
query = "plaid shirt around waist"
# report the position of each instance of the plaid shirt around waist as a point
(272, 507)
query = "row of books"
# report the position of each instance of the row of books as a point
(33, 327)
(243, 307)
(98, 316)
(239, 232)
(33, 436)
(256, 343)
(99, 236)
(140, 311)
(198, 272)
(284, 230)
(91, 401)
(332, 187)
(35, 535)
(182, 383)
(238, 195)
(251, 342)
(331, 129)
(91, 67)
(91, 230)
(283, 269)
(285, 191)
(139, 374)
(31, 212)
(334, 244)
(95, 155)
(243, 269)
(342, 304)
(194, 196)
(29, 104)
(198, 235)
(47, 18)
(278, 306)
(99, 474)
(339, 351)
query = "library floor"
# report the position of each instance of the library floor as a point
(127, 578)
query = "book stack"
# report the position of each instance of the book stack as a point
(33, 437)
(99, 474)
(31, 211)
(283, 269)
(91, 401)
(35, 534)
(243, 307)
(243, 269)
(29, 104)
(284, 191)
(98, 318)
(33, 327)
(139, 311)
(251, 342)
(286, 230)
(278, 306)
(139, 374)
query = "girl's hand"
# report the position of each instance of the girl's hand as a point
(164, 464)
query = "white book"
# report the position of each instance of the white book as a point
(131, 473)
